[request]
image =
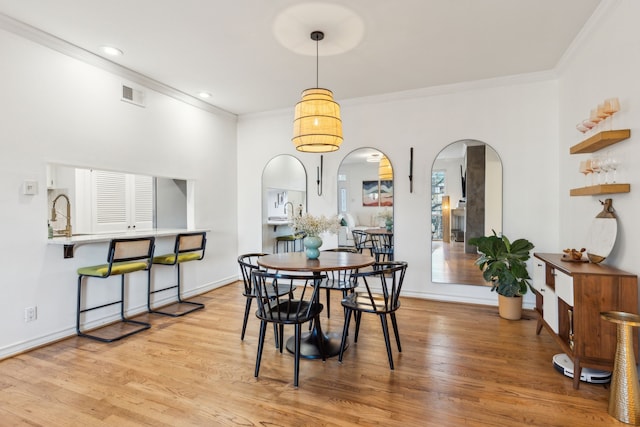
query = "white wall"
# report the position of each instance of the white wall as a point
(56, 109)
(604, 64)
(518, 119)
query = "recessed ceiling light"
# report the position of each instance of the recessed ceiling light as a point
(204, 95)
(112, 51)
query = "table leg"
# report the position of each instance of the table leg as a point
(310, 346)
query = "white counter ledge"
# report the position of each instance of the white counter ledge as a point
(81, 239)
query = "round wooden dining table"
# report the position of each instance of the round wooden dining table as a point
(327, 261)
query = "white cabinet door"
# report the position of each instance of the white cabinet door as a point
(564, 287)
(539, 275)
(120, 202)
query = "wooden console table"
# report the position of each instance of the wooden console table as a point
(569, 299)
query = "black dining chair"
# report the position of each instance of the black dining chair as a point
(248, 263)
(362, 242)
(286, 310)
(338, 280)
(386, 277)
(382, 247)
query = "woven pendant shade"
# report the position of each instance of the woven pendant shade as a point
(317, 127)
(385, 172)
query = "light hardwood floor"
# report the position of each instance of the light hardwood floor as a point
(450, 264)
(461, 365)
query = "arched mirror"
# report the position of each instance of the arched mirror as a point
(284, 194)
(466, 201)
(365, 193)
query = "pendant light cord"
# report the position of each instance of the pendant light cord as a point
(317, 61)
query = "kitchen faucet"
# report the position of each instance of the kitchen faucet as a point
(67, 230)
(288, 212)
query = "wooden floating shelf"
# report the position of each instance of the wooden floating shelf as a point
(600, 189)
(600, 140)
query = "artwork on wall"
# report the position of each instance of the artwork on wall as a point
(377, 193)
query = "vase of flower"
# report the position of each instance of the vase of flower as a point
(389, 224)
(313, 226)
(311, 245)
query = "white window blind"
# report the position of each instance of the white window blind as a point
(143, 199)
(111, 197)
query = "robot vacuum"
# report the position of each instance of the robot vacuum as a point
(563, 364)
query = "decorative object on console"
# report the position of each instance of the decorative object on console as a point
(573, 255)
(317, 127)
(602, 233)
(503, 263)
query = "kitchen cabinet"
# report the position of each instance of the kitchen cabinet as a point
(580, 291)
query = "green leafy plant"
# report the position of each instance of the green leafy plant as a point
(503, 263)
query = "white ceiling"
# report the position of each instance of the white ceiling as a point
(235, 49)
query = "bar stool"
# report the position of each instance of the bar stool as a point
(624, 398)
(125, 256)
(288, 242)
(188, 247)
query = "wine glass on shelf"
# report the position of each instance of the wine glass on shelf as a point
(610, 107)
(596, 168)
(614, 164)
(595, 116)
(605, 166)
(582, 128)
(588, 124)
(585, 168)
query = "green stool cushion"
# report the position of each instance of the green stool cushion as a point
(170, 259)
(118, 268)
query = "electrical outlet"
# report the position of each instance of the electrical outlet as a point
(30, 314)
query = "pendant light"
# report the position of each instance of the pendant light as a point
(317, 127)
(385, 172)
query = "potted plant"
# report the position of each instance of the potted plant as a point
(387, 216)
(503, 263)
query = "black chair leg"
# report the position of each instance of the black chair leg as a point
(141, 326)
(78, 306)
(247, 308)
(263, 330)
(395, 330)
(194, 305)
(280, 332)
(328, 304)
(296, 363)
(358, 317)
(345, 329)
(385, 332)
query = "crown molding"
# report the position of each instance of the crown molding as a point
(55, 43)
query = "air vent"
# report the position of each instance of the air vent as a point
(132, 96)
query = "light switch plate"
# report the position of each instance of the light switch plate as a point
(30, 187)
